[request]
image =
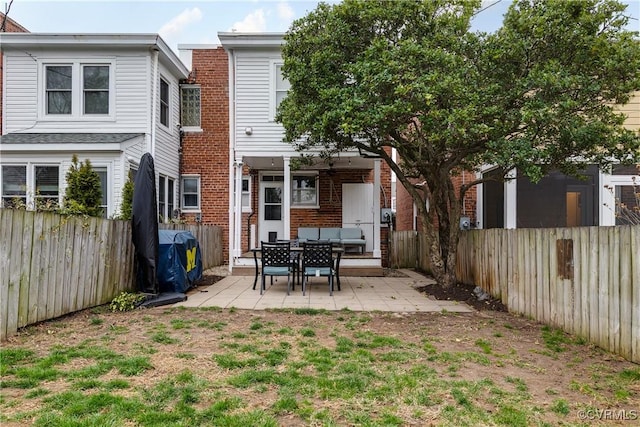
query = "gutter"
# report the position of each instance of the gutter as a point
(154, 100)
(232, 145)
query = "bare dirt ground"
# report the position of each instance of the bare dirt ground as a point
(551, 367)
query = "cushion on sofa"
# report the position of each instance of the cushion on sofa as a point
(350, 233)
(307, 233)
(330, 234)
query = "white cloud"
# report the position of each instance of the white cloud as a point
(285, 12)
(177, 24)
(254, 22)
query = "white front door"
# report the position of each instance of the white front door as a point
(271, 223)
(357, 209)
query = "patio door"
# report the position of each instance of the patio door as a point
(271, 225)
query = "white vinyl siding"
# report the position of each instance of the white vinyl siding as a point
(24, 89)
(255, 98)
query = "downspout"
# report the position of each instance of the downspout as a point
(232, 144)
(154, 100)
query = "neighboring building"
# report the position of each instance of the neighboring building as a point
(558, 200)
(274, 199)
(7, 25)
(205, 143)
(108, 98)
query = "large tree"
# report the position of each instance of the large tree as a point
(538, 94)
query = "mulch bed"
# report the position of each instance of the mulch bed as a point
(463, 293)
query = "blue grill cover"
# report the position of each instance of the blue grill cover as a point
(179, 260)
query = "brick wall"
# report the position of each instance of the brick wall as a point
(207, 153)
(404, 203)
(10, 26)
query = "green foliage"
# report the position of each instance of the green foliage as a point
(536, 95)
(83, 194)
(127, 201)
(126, 301)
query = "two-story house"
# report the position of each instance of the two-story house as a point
(108, 98)
(276, 194)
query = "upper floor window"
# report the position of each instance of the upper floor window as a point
(190, 107)
(96, 89)
(58, 87)
(279, 87)
(164, 102)
(77, 89)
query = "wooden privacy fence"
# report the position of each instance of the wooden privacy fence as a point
(585, 280)
(209, 238)
(52, 265)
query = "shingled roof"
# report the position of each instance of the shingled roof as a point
(67, 138)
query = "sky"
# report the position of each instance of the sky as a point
(195, 22)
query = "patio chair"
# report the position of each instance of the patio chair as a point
(276, 261)
(317, 260)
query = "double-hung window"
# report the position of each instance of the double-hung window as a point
(190, 107)
(246, 193)
(279, 88)
(58, 83)
(190, 193)
(14, 185)
(47, 184)
(95, 83)
(164, 102)
(77, 90)
(165, 198)
(304, 191)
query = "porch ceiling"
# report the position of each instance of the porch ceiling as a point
(276, 162)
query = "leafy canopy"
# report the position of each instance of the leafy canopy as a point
(537, 94)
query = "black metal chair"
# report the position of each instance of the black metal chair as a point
(276, 261)
(317, 260)
(295, 261)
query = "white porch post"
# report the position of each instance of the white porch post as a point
(286, 200)
(607, 202)
(237, 210)
(510, 200)
(479, 203)
(377, 253)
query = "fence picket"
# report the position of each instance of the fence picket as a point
(580, 279)
(51, 265)
(635, 298)
(625, 296)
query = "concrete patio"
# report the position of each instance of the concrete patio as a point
(392, 294)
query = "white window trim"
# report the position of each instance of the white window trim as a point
(77, 89)
(30, 180)
(246, 209)
(169, 88)
(167, 215)
(194, 129)
(190, 209)
(306, 173)
(273, 63)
